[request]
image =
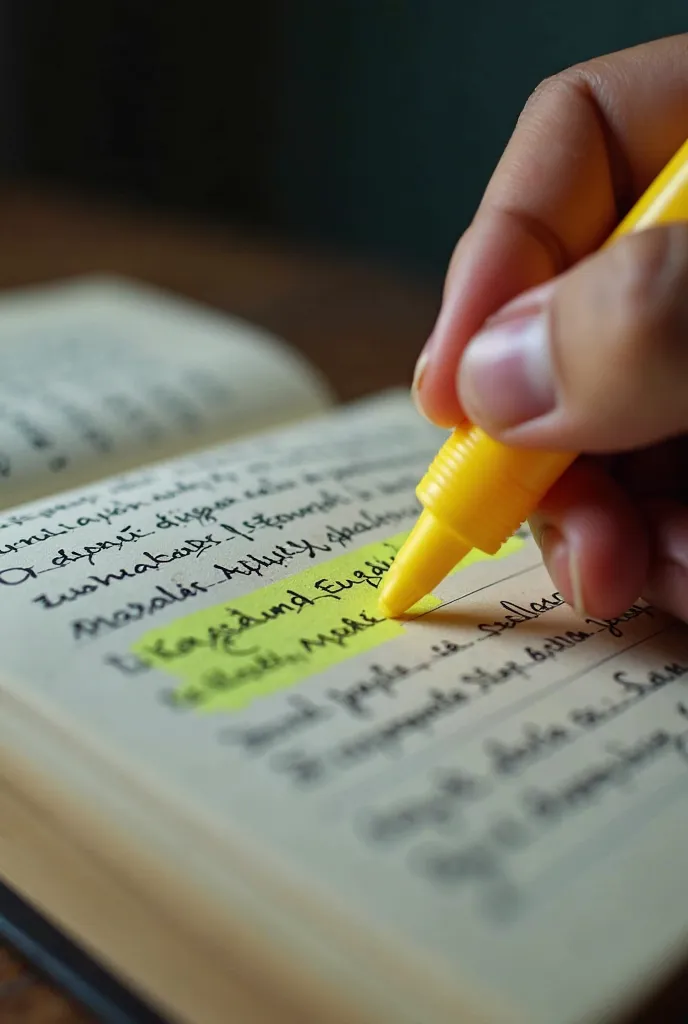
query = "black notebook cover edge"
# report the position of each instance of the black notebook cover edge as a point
(57, 958)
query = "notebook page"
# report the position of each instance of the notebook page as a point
(102, 375)
(499, 784)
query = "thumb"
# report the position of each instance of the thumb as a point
(597, 360)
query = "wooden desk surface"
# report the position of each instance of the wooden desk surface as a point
(361, 326)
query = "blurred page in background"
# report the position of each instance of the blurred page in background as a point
(101, 375)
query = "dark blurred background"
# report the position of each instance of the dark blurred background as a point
(364, 125)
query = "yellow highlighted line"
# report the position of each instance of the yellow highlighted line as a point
(227, 656)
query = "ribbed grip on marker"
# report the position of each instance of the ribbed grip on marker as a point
(482, 490)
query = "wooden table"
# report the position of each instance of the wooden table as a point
(362, 326)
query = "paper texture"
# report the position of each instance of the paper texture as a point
(497, 783)
(103, 375)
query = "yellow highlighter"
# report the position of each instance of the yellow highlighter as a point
(477, 492)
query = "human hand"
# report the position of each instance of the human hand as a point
(544, 342)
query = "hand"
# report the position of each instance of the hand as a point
(592, 359)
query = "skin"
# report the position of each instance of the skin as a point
(587, 145)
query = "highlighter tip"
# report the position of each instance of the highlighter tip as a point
(429, 554)
(393, 602)
(400, 591)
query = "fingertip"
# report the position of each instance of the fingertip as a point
(432, 398)
(601, 561)
(667, 583)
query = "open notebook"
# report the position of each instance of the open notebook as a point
(257, 801)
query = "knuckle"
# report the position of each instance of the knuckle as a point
(652, 291)
(559, 90)
(554, 89)
(620, 323)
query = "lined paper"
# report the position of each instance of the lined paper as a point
(497, 782)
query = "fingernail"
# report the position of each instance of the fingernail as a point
(575, 581)
(505, 377)
(555, 553)
(418, 373)
(537, 528)
(561, 559)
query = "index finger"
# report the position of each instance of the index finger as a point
(588, 143)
